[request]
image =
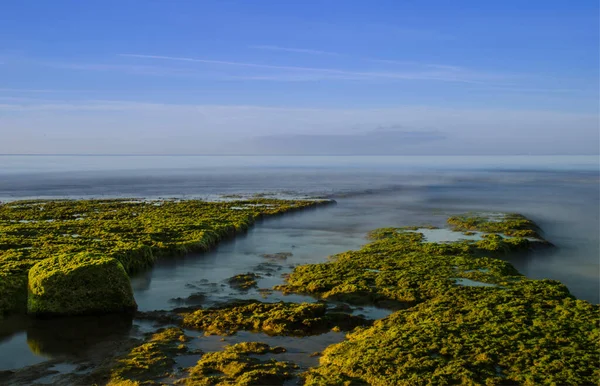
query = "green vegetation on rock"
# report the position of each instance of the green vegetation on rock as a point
(79, 284)
(511, 224)
(533, 333)
(468, 319)
(461, 315)
(151, 360)
(399, 269)
(244, 281)
(235, 366)
(271, 318)
(135, 232)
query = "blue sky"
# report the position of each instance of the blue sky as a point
(422, 77)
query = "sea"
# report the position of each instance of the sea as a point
(560, 193)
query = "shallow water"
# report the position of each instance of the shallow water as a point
(561, 194)
(299, 349)
(296, 233)
(472, 283)
(442, 235)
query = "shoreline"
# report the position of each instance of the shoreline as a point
(396, 242)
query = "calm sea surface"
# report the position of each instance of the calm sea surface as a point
(561, 194)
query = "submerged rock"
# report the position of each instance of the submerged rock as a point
(278, 255)
(243, 282)
(79, 284)
(238, 365)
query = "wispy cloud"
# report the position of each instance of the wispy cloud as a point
(367, 59)
(297, 72)
(128, 68)
(296, 50)
(374, 60)
(399, 32)
(36, 91)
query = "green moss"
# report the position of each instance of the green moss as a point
(79, 284)
(271, 318)
(533, 333)
(235, 366)
(243, 282)
(135, 233)
(511, 224)
(512, 331)
(398, 269)
(13, 288)
(151, 360)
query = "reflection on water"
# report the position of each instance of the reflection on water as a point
(75, 336)
(445, 235)
(300, 350)
(472, 283)
(30, 341)
(207, 273)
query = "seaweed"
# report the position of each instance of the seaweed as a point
(510, 224)
(398, 269)
(79, 284)
(235, 366)
(150, 360)
(461, 315)
(134, 232)
(271, 318)
(533, 333)
(467, 318)
(243, 282)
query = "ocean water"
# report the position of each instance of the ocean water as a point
(562, 194)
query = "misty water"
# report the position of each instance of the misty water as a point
(561, 194)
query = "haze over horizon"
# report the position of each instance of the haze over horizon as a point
(320, 77)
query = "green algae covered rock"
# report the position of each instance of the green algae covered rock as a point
(296, 319)
(153, 359)
(135, 232)
(79, 284)
(238, 365)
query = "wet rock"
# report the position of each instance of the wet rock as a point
(237, 365)
(243, 282)
(278, 255)
(281, 318)
(194, 299)
(265, 292)
(162, 317)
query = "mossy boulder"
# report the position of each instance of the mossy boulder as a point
(79, 284)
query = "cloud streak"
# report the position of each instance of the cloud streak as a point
(373, 60)
(36, 91)
(295, 50)
(437, 74)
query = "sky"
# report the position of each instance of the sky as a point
(345, 77)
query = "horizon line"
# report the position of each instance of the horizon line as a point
(287, 155)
